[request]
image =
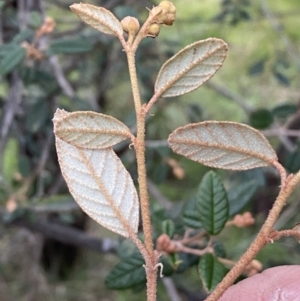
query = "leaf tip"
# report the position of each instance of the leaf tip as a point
(75, 7)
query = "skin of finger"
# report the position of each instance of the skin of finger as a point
(274, 284)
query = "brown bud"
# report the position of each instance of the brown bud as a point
(169, 20)
(156, 11)
(153, 30)
(170, 12)
(244, 220)
(130, 25)
(168, 6)
(162, 242)
(47, 27)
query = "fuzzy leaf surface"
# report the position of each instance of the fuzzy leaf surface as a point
(127, 273)
(89, 130)
(98, 17)
(191, 67)
(212, 203)
(101, 186)
(211, 271)
(227, 145)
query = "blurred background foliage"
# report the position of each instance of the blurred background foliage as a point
(49, 249)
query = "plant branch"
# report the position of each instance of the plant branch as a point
(151, 258)
(60, 77)
(167, 204)
(275, 235)
(279, 30)
(171, 289)
(140, 155)
(224, 91)
(11, 108)
(68, 235)
(260, 241)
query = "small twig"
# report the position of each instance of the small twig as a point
(60, 77)
(282, 135)
(171, 289)
(227, 262)
(156, 143)
(181, 248)
(68, 235)
(279, 30)
(260, 241)
(158, 196)
(281, 131)
(282, 172)
(11, 107)
(224, 91)
(275, 235)
(189, 240)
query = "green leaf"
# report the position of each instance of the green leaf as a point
(70, 46)
(239, 195)
(35, 19)
(37, 115)
(219, 248)
(283, 111)
(292, 160)
(211, 271)
(24, 35)
(261, 119)
(11, 160)
(168, 227)
(58, 203)
(127, 273)
(169, 266)
(212, 202)
(11, 56)
(191, 217)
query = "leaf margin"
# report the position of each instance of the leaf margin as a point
(63, 117)
(268, 161)
(163, 89)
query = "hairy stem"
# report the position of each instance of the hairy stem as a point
(260, 241)
(151, 269)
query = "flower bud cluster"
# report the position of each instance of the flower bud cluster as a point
(164, 13)
(47, 27)
(165, 244)
(130, 25)
(243, 220)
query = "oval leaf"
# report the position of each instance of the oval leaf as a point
(89, 130)
(240, 194)
(191, 67)
(101, 186)
(127, 274)
(211, 271)
(11, 56)
(98, 17)
(168, 227)
(212, 203)
(191, 217)
(227, 145)
(70, 45)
